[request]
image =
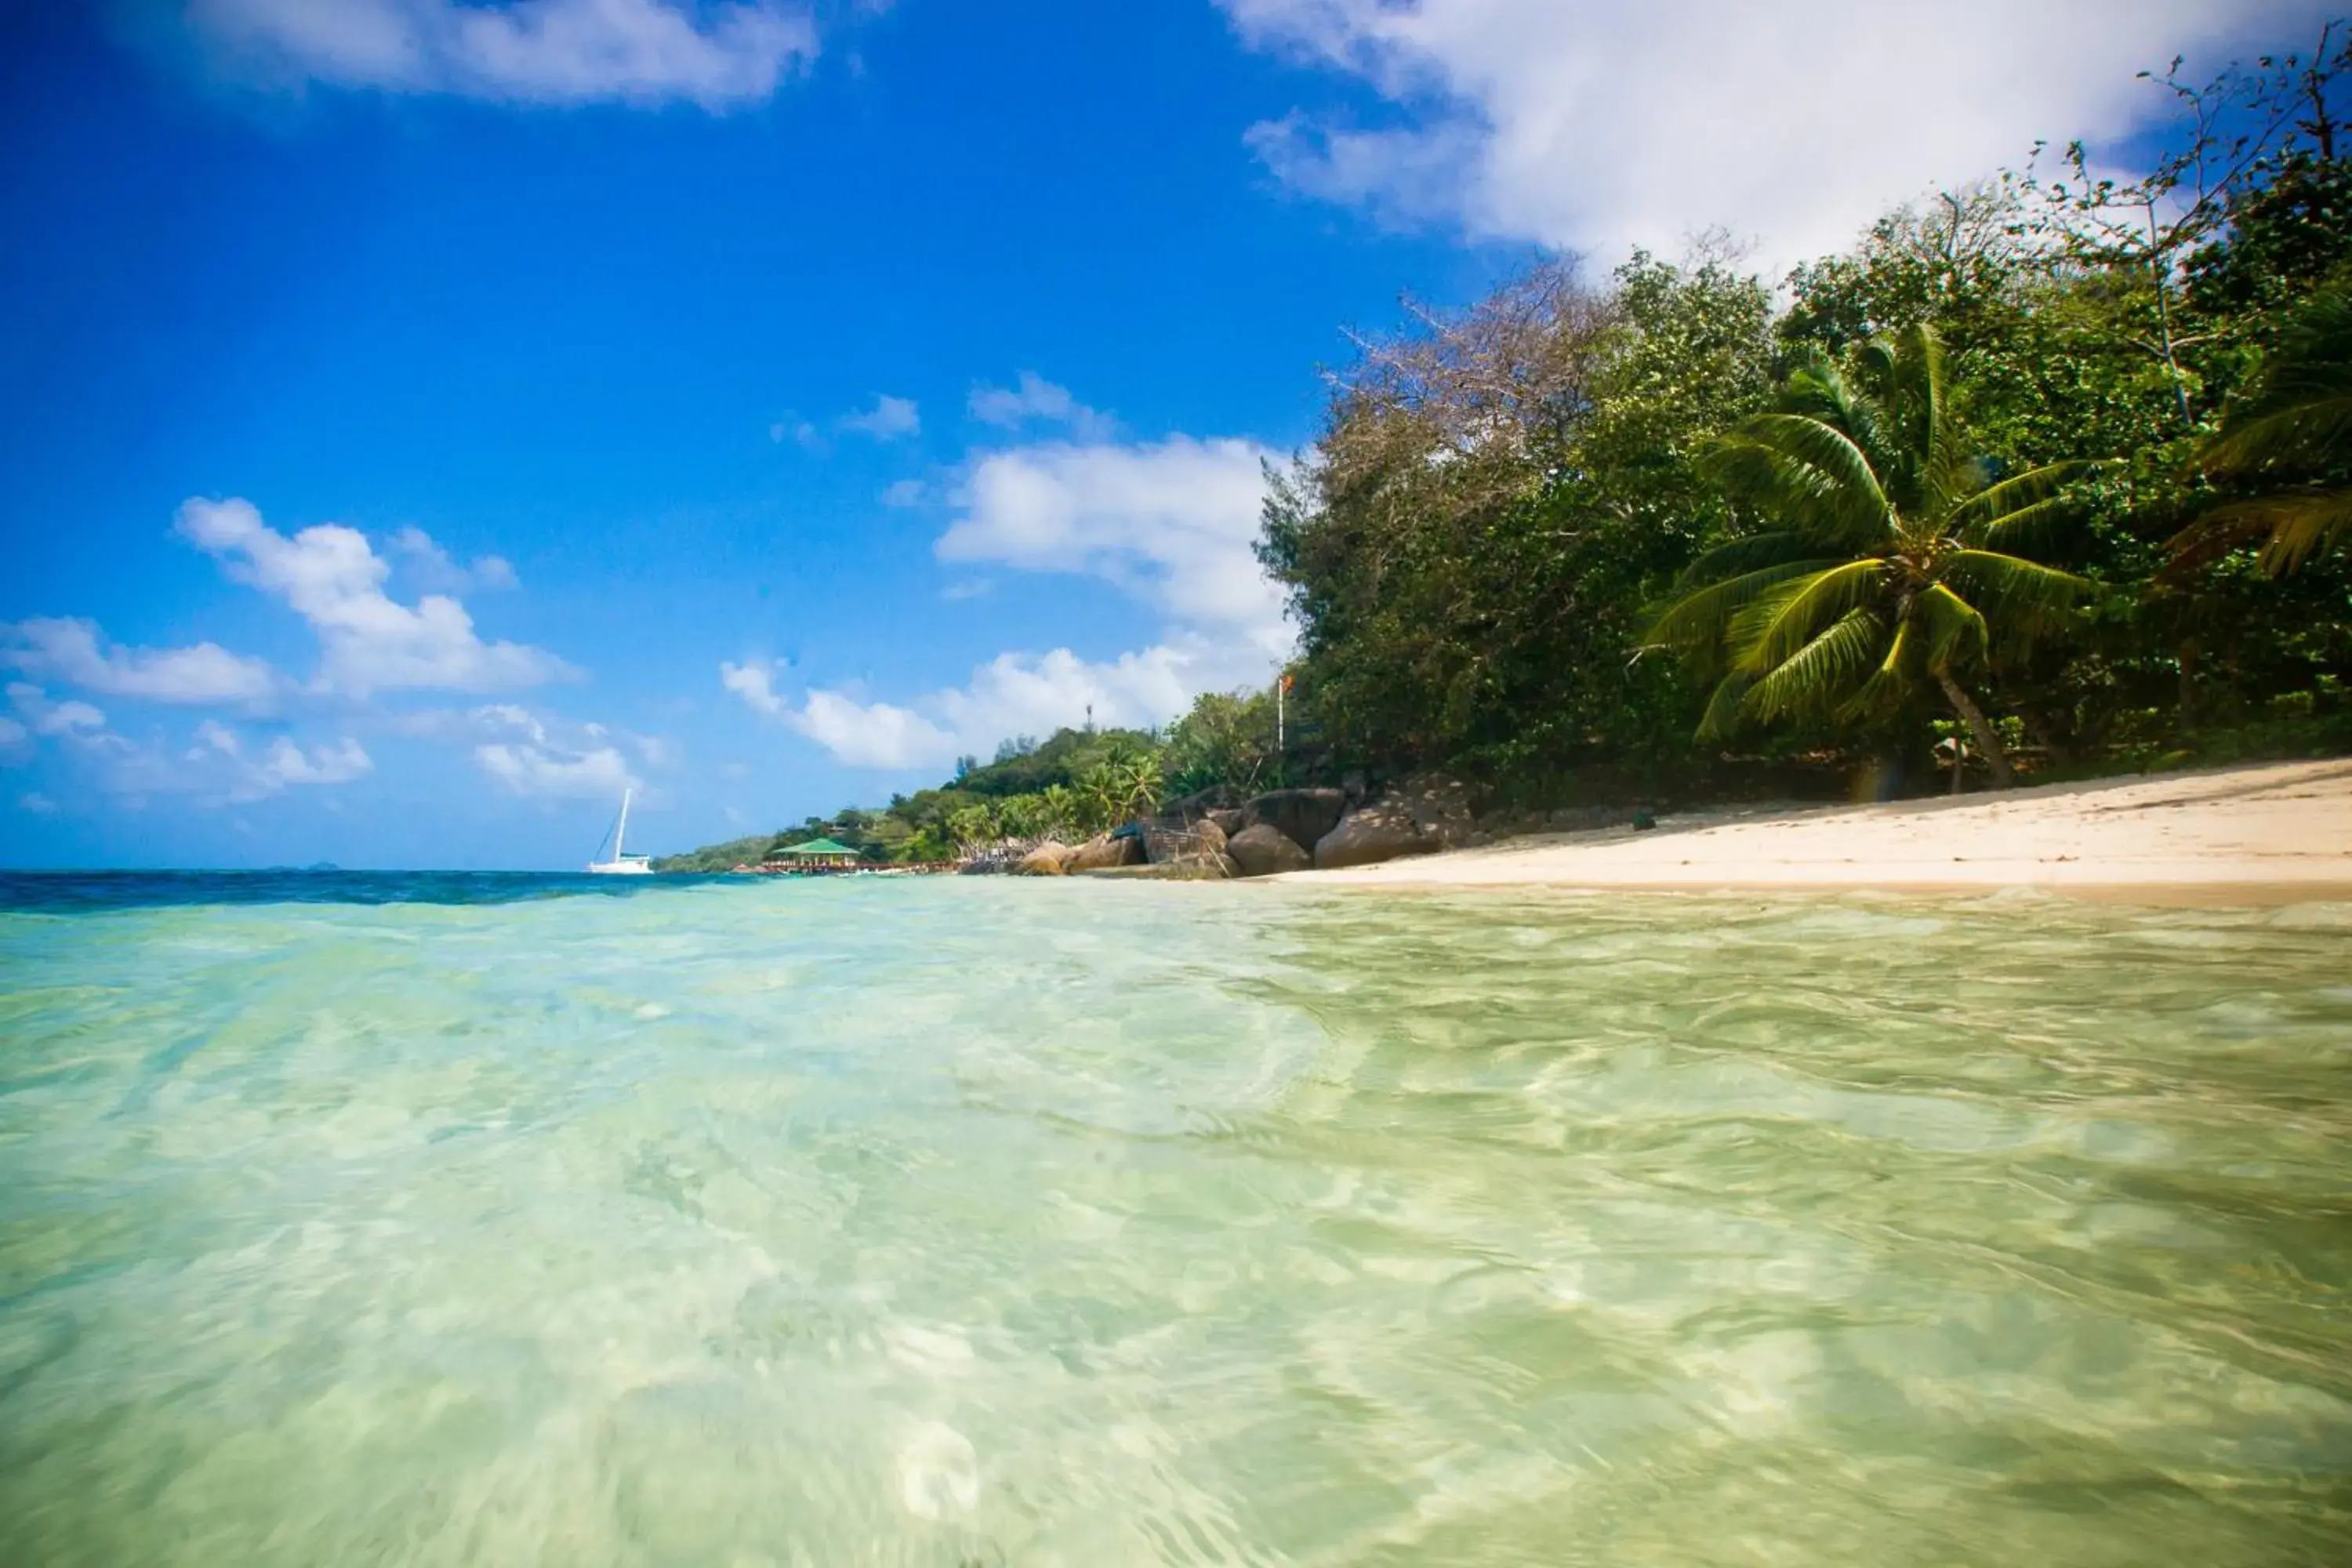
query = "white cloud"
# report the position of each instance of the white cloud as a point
(887, 420)
(46, 718)
(430, 568)
(77, 653)
(219, 749)
(906, 493)
(653, 751)
(368, 641)
(1586, 124)
(532, 754)
(870, 734)
(1173, 520)
(512, 721)
(529, 770)
(640, 52)
(286, 764)
(216, 767)
(1021, 694)
(754, 682)
(867, 735)
(1033, 397)
(36, 803)
(1012, 694)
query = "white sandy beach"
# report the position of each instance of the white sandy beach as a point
(2266, 833)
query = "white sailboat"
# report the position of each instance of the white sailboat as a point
(623, 864)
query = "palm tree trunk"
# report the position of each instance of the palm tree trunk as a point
(1988, 740)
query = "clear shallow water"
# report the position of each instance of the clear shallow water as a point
(952, 1222)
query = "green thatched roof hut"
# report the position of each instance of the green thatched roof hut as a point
(815, 852)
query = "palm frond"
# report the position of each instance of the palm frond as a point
(1875, 364)
(2038, 527)
(2022, 594)
(1808, 474)
(1723, 708)
(1920, 384)
(1782, 620)
(1895, 676)
(2294, 525)
(2206, 541)
(1950, 476)
(1752, 553)
(1817, 389)
(1952, 631)
(2000, 508)
(1699, 618)
(1816, 676)
(1869, 411)
(2298, 412)
(2301, 434)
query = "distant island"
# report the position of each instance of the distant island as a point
(1075, 782)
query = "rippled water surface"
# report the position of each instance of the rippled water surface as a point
(949, 1221)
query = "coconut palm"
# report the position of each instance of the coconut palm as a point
(1890, 562)
(1142, 774)
(2291, 428)
(973, 828)
(1022, 817)
(1101, 792)
(1058, 804)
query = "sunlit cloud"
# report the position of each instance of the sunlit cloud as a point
(369, 642)
(78, 653)
(1588, 125)
(643, 52)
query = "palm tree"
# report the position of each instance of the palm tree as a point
(1101, 792)
(2291, 428)
(1058, 803)
(973, 827)
(1020, 816)
(1890, 560)
(1141, 776)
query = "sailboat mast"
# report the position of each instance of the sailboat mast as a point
(621, 828)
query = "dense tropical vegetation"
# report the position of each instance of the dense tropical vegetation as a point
(1478, 547)
(1074, 784)
(2052, 469)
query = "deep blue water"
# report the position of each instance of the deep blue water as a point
(72, 890)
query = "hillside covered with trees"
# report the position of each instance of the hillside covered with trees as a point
(2050, 474)
(1071, 784)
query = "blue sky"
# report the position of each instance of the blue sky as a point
(423, 419)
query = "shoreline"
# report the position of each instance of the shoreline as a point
(2266, 833)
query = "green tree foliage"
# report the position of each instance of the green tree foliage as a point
(1889, 556)
(1494, 497)
(2288, 436)
(1227, 739)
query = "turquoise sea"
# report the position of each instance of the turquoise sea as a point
(534, 1220)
